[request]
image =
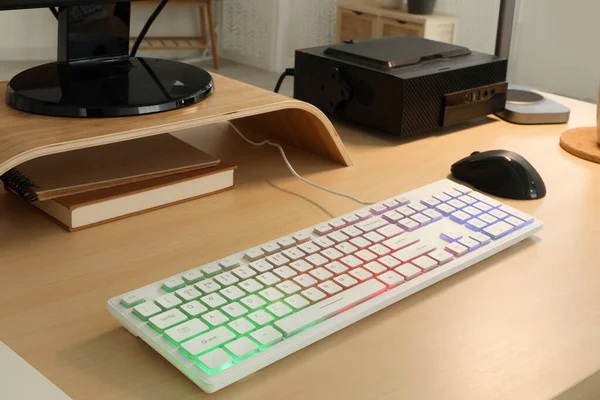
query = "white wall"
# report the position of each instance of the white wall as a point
(557, 47)
(32, 34)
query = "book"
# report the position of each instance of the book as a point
(87, 209)
(88, 169)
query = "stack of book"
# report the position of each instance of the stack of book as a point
(83, 188)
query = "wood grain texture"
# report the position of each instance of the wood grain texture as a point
(523, 324)
(26, 136)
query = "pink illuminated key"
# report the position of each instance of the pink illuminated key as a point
(378, 209)
(408, 224)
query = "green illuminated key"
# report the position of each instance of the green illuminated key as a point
(241, 348)
(215, 361)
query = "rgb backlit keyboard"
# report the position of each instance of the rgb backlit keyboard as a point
(222, 321)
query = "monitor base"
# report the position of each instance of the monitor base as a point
(130, 86)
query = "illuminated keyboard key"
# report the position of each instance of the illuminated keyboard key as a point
(168, 301)
(313, 294)
(445, 209)
(167, 320)
(297, 302)
(351, 261)
(373, 237)
(336, 267)
(467, 200)
(421, 219)
(321, 274)
(188, 293)
(305, 280)
(406, 211)
(132, 299)
(460, 217)
(409, 271)
(379, 249)
(278, 259)
(337, 224)
(302, 266)
(207, 286)
(216, 360)
(338, 237)
(375, 268)
(408, 224)
(400, 242)
(146, 310)
(309, 248)
(418, 207)
(470, 244)
(253, 302)
(234, 310)
(481, 238)
(472, 211)
(442, 197)
(193, 308)
(241, 326)
(215, 318)
(260, 317)
(254, 254)
(391, 279)
(457, 249)
(213, 300)
(425, 263)
(285, 272)
(393, 216)
(317, 260)
(192, 277)
(371, 224)
(389, 261)
(268, 279)
(288, 287)
(488, 219)
(360, 274)
(271, 294)
(251, 285)
(441, 256)
(267, 336)
(301, 238)
(482, 206)
(330, 287)
(346, 248)
(229, 263)
(430, 202)
(498, 230)
(352, 231)
(172, 284)
(413, 251)
(328, 308)
(378, 209)
(450, 236)
(279, 309)
(475, 224)
(244, 272)
(366, 255)
(345, 280)
(242, 348)
(323, 229)
(186, 331)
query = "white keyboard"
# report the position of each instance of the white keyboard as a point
(227, 319)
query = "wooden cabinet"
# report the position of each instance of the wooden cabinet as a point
(364, 19)
(392, 27)
(356, 25)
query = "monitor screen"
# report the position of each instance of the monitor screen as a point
(17, 4)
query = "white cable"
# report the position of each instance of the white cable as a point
(285, 159)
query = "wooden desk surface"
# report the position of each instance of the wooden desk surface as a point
(524, 324)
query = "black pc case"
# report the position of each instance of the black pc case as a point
(401, 85)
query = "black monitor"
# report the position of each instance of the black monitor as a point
(94, 75)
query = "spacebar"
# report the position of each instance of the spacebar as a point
(328, 308)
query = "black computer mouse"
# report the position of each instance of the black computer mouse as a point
(501, 173)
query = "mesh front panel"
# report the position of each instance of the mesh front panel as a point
(424, 96)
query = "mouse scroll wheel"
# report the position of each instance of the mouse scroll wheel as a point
(475, 152)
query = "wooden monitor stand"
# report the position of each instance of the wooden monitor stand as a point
(276, 117)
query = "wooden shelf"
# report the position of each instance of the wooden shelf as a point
(26, 136)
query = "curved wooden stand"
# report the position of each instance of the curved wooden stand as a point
(280, 118)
